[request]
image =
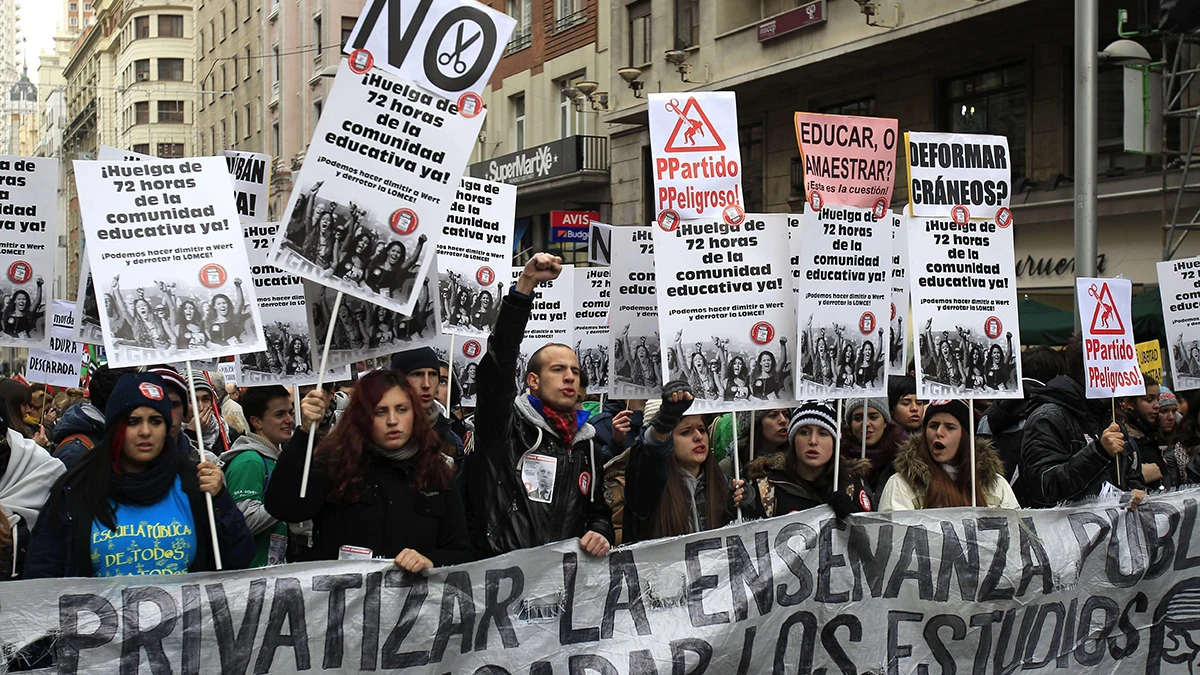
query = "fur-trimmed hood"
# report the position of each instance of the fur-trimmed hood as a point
(910, 466)
(761, 466)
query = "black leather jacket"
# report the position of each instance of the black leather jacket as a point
(507, 428)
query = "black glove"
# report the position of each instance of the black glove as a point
(670, 414)
(841, 503)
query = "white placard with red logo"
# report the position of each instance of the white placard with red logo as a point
(473, 254)
(963, 291)
(898, 327)
(168, 258)
(593, 298)
(57, 366)
(28, 213)
(1109, 349)
(634, 371)
(971, 171)
(382, 169)
(697, 161)
(1179, 285)
(726, 310)
(468, 352)
(449, 47)
(552, 318)
(844, 305)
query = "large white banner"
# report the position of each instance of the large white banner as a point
(57, 366)
(251, 174)
(1083, 589)
(964, 308)
(1109, 348)
(897, 332)
(593, 298)
(968, 171)
(552, 318)
(844, 303)
(28, 214)
(726, 306)
(367, 208)
(166, 250)
(474, 250)
(635, 369)
(697, 160)
(1179, 287)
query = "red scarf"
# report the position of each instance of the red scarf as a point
(564, 423)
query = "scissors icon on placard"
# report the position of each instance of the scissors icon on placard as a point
(460, 66)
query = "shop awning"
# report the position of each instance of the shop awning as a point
(1042, 324)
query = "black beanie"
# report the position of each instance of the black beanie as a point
(955, 407)
(133, 391)
(415, 359)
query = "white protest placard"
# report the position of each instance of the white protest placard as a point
(635, 369)
(697, 161)
(87, 310)
(1109, 349)
(449, 47)
(848, 160)
(107, 153)
(474, 250)
(57, 366)
(552, 318)
(950, 171)
(365, 331)
(726, 306)
(251, 174)
(290, 355)
(381, 171)
(166, 251)
(592, 300)
(1178, 284)
(599, 243)
(228, 370)
(964, 309)
(897, 334)
(468, 352)
(28, 213)
(844, 302)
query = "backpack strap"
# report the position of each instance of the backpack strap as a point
(82, 438)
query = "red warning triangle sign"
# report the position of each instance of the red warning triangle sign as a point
(699, 135)
(1106, 320)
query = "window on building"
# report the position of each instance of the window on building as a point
(276, 141)
(246, 113)
(687, 23)
(170, 112)
(275, 66)
(649, 213)
(233, 10)
(233, 141)
(347, 28)
(203, 41)
(212, 32)
(141, 27)
(863, 107)
(212, 135)
(257, 64)
(639, 33)
(74, 21)
(518, 106)
(170, 25)
(569, 13)
(169, 150)
(170, 69)
(74, 7)
(224, 78)
(522, 11)
(141, 70)
(571, 122)
(143, 148)
(317, 35)
(236, 70)
(223, 137)
(750, 140)
(223, 26)
(991, 102)
(141, 112)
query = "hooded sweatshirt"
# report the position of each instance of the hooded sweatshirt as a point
(81, 419)
(26, 478)
(248, 467)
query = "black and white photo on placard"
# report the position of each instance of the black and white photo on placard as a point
(636, 359)
(170, 317)
(593, 361)
(969, 360)
(363, 330)
(840, 356)
(288, 352)
(469, 305)
(23, 310)
(728, 369)
(353, 244)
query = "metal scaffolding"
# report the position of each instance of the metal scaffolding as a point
(1181, 137)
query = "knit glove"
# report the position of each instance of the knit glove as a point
(670, 414)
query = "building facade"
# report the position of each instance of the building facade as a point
(52, 114)
(77, 15)
(230, 61)
(1000, 67)
(155, 78)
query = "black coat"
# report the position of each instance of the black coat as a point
(506, 429)
(388, 516)
(646, 472)
(1061, 455)
(777, 492)
(1005, 425)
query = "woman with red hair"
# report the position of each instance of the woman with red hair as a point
(379, 486)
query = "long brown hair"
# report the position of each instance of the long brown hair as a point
(342, 449)
(674, 507)
(943, 492)
(15, 396)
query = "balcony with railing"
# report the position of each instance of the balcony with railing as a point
(521, 38)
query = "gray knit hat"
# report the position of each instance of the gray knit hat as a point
(813, 413)
(855, 404)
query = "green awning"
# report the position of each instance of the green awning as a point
(1042, 324)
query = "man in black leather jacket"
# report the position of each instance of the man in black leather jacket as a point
(1071, 445)
(536, 473)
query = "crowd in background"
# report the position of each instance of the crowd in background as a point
(114, 481)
